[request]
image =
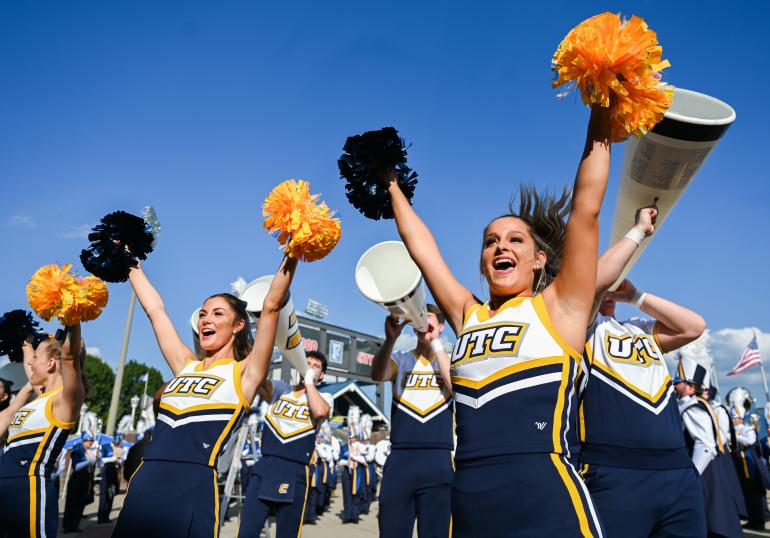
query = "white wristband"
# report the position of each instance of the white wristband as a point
(635, 235)
(638, 298)
(436, 345)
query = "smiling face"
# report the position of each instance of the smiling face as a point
(218, 324)
(509, 257)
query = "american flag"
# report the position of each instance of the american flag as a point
(749, 357)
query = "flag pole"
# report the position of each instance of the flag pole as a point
(144, 394)
(764, 378)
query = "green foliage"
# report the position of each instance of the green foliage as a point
(133, 386)
(101, 378)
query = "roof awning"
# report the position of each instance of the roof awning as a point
(348, 393)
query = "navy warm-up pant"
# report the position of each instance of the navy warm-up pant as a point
(416, 483)
(641, 503)
(522, 496)
(171, 499)
(278, 487)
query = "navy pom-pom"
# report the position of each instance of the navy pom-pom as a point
(15, 327)
(117, 243)
(368, 162)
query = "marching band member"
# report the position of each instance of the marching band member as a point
(357, 456)
(752, 472)
(113, 454)
(633, 451)
(516, 360)
(36, 435)
(336, 450)
(705, 446)
(280, 480)
(199, 409)
(417, 480)
(350, 481)
(84, 457)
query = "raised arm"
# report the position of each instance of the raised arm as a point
(444, 363)
(452, 297)
(6, 415)
(173, 349)
(319, 407)
(570, 296)
(614, 260)
(382, 366)
(67, 408)
(675, 325)
(256, 363)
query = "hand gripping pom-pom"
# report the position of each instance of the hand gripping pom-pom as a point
(51, 291)
(117, 243)
(305, 228)
(90, 299)
(609, 59)
(368, 163)
(16, 327)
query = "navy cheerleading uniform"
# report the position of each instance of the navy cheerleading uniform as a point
(514, 382)
(633, 451)
(280, 480)
(29, 498)
(417, 476)
(174, 492)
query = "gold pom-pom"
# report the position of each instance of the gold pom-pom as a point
(51, 291)
(607, 58)
(90, 299)
(305, 227)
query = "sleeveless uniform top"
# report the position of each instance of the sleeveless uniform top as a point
(290, 432)
(35, 439)
(629, 415)
(199, 410)
(421, 412)
(514, 382)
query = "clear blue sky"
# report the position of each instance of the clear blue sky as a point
(199, 108)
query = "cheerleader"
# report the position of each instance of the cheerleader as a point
(36, 435)
(280, 480)
(199, 409)
(516, 358)
(633, 450)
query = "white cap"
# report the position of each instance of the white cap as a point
(690, 371)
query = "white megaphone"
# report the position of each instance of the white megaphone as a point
(659, 166)
(287, 337)
(387, 275)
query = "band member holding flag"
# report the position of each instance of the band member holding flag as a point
(417, 478)
(633, 451)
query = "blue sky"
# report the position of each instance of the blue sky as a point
(199, 108)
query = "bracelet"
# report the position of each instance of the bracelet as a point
(437, 346)
(635, 235)
(638, 298)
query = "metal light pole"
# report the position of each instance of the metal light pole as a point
(151, 218)
(113, 414)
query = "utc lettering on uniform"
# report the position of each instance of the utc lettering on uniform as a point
(28, 495)
(633, 451)
(514, 367)
(199, 410)
(280, 480)
(417, 476)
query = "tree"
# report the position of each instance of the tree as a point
(100, 378)
(132, 385)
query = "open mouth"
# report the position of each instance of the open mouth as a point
(504, 264)
(207, 333)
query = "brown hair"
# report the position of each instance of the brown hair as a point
(544, 214)
(243, 339)
(317, 355)
(433, 309)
